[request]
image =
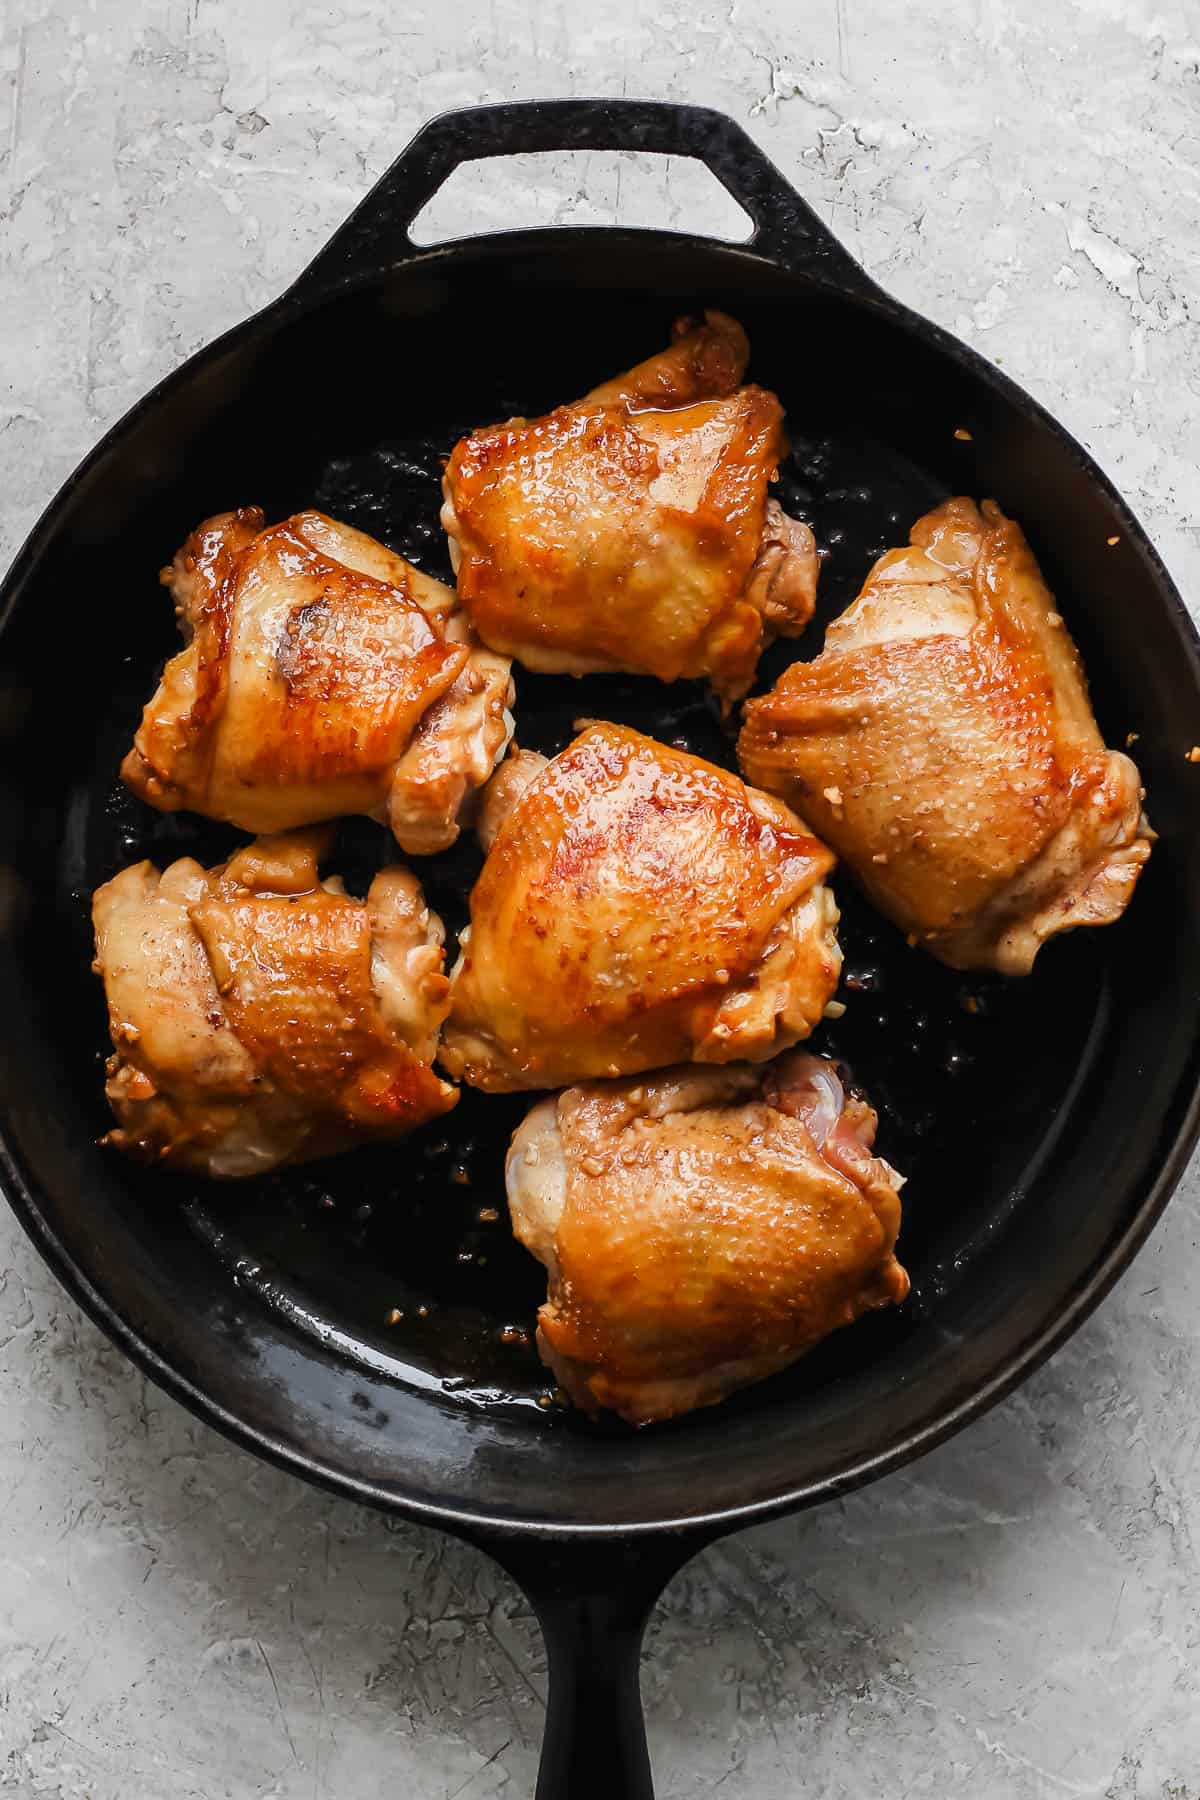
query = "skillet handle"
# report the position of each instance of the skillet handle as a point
(786, 230)
(593, 1603)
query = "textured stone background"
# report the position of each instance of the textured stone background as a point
(1019, 1614)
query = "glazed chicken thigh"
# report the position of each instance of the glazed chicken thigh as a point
(632, 530)
(637, 907)
(322, 675)
(262, 1016)
(701, 1229)
(944, 744)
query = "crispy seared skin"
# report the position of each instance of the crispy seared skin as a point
(701, 1228)
(262, 1016)
(632, 529)
(322, 675)
(944, 744)
(637, 907)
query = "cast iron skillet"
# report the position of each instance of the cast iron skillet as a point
(1042, 1123)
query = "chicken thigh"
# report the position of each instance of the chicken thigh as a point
(637, 907)
(322, 675)
(262, 1016)
(632, 530)
(944, 744)
(701, 1229)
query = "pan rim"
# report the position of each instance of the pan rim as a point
(915, 1442)
(297, 300)
(1092, 1285)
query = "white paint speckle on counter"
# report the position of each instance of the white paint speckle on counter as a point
(1018, 1614)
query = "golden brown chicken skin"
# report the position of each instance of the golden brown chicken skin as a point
(322, 675)
(260, 1015)
(944, 744)
(632, 530)
(701, 1229)
(637, 907)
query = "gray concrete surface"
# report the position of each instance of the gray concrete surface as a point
(1019, 1614)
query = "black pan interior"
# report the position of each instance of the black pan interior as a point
(1030, 1117)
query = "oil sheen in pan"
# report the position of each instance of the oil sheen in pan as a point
(403, 1257)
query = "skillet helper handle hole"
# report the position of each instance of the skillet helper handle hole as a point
(378, 234)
